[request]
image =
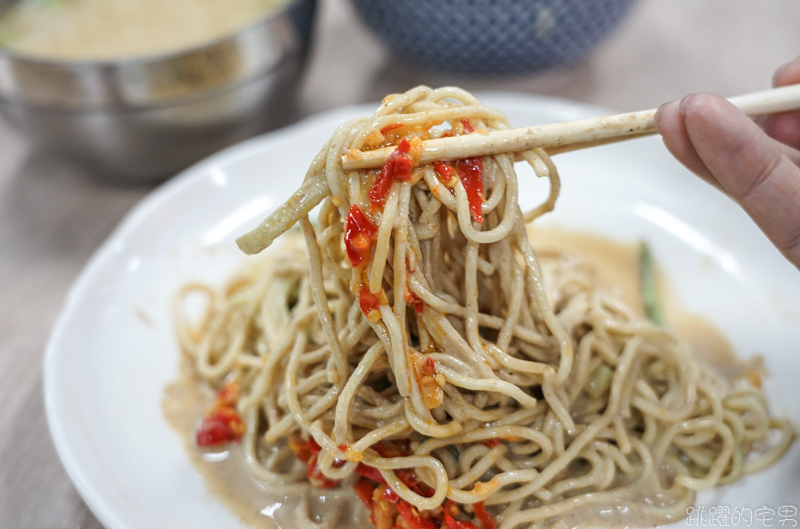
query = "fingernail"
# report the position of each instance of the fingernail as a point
(681, 105)
(660, 108)
(663, 108)
(776, 76)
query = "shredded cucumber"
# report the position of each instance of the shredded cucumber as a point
(454, 451)
(599, 381)
(648, 285)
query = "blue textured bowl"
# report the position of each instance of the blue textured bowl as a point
(482, 37)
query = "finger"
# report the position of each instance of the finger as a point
(785, 127)
(750, 166)
(670, 124)
(787, 74)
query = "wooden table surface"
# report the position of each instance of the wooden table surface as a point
(53, 214)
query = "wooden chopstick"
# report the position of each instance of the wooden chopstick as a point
(566, 136)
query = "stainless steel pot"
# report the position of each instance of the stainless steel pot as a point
(144, 118)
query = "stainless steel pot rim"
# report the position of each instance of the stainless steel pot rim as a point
(153, 58)
(159, 78)
(187, 99)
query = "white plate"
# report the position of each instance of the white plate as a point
(113, 351)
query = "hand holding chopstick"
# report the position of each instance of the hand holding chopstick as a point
(567, 136)
(759, 169)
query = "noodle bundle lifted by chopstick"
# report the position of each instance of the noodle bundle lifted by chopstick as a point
(414, 351)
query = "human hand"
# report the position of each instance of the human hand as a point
(760, 169)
